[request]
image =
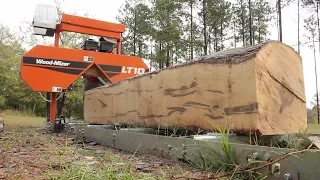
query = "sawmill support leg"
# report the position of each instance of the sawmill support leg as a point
(53, 107)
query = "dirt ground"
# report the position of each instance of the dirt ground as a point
(31, 153)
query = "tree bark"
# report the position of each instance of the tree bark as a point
(243, 25)
(250, 23)
(318, 24)
(191, 30)
(205, 46)
(280, 20)
(134, 33)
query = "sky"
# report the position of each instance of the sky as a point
(107, 10)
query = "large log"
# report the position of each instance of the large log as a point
(254, 89)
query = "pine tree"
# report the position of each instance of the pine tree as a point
(138, 20)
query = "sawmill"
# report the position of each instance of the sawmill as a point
(174, 112)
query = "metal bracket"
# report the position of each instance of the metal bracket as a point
(102, 81)
(278, 170)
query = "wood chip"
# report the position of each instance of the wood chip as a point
(315, 140)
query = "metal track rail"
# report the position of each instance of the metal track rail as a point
(303, 166)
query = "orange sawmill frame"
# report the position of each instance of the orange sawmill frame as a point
(80, 25)
(39, 72)
(77, 24)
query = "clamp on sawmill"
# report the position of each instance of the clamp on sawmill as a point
(257, 88)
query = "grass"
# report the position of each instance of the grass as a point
(14, 119)
(313, 129)
(28, 152)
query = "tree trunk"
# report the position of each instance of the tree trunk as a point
(252, 89)
(221, 34)
(140, 48)
(243, 25)
(280, 20)
(205, 46)
(168, 58)
(234, 34)
(209, 41)
(299, 26)
(250, 24)
(191, 29)
(318, 24)
(160, 51)
(215, 39)
(259, 28)
(134, 34)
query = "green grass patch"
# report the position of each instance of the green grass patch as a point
(15, 119)
(313, 129)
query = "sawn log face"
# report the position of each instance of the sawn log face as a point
(238, 88)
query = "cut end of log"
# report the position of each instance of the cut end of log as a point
(256, 88)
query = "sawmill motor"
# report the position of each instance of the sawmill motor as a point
(53, 70)
(104, 45)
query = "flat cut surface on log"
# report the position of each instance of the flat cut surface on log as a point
(258, 88)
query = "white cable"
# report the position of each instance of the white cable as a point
(44, 98)
(49, 100)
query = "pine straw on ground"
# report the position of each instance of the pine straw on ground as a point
(31, 153)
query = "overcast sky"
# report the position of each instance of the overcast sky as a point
(12, 12)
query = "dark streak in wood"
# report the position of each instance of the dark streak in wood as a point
(194, 84)
(169, 91)
(214, 117)
(180, 109)
(171, 112)
(183, 88)
(196, 104)
(185, 94)
(281, 109)
(103, 105)
(174, 109)
(220, 92)
(110, 94)
(182, 91)
(156, 116)
(246, 109)
(229, 85)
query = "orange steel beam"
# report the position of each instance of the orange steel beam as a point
(90, 31)
(82, 25)
(92, 24)
(53, 102)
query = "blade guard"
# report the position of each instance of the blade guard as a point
(53, 69)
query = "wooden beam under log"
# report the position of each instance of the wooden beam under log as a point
(257, 88)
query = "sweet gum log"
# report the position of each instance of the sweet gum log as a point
(254, 89)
